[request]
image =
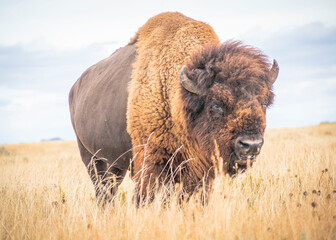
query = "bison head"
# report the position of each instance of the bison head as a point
(226, 90)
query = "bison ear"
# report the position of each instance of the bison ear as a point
(274, 71)
(188, 84)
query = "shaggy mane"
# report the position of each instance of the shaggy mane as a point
(229, 63)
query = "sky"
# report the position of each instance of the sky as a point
(46, 45)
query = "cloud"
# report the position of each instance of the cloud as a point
(34, 83)
(30, 66)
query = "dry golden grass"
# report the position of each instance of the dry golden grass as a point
(290, 193)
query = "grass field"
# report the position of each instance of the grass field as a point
(290, 193)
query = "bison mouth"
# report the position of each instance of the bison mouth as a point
(245, 149)
(240, 163)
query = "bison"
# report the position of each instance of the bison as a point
(171, 99)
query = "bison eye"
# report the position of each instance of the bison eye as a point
(217, 108)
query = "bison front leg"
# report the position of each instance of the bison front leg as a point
(150, 171)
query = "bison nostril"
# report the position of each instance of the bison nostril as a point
(248, 146)
(243, 144)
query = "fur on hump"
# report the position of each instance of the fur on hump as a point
(164, 44)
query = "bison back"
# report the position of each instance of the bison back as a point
(98, 102)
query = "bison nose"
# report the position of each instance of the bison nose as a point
(248, 146)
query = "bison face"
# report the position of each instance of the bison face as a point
(225, 98)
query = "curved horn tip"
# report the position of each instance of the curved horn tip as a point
(188, 84)
(182, 72)
(275, 63)
(274, 71)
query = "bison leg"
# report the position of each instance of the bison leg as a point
(105, 180)
(148, 174)
(113, 178)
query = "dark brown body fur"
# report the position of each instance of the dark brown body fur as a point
(98, 114)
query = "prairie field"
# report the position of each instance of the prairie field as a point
(289, 193)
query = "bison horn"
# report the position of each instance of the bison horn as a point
(274, 71)
(189, 85)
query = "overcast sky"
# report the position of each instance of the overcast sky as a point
(46, 45)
